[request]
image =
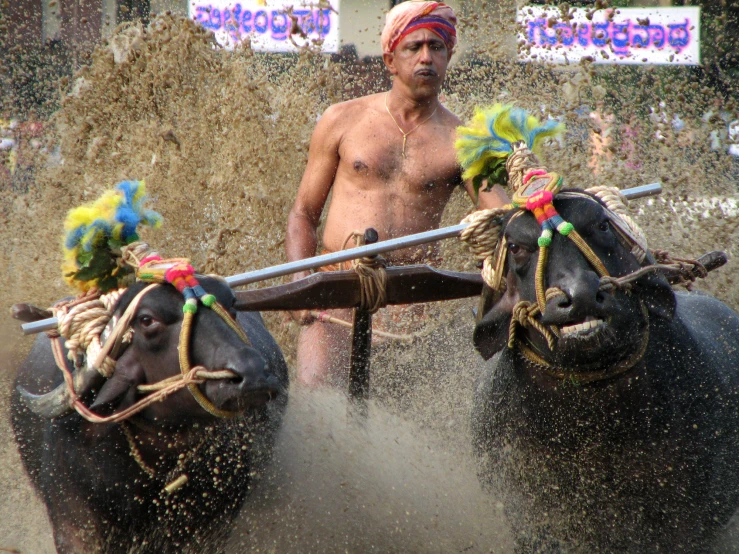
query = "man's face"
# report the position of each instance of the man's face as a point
(420, 61)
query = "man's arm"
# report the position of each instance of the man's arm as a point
(323, 159)
(496, 198)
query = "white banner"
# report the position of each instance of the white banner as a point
(615, 35)
(272, 25)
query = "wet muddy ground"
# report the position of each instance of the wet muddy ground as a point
(221, 140)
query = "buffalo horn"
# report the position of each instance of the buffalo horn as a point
(58, 402)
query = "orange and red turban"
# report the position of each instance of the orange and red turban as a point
(410, 16)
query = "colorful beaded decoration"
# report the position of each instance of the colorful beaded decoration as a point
(181, 275)
(537, 196)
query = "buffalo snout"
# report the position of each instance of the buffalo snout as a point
(579, 299)
(253, 384)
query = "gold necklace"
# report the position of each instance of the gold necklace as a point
(405, 135)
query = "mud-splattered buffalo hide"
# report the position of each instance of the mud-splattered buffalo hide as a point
(644, 461)
(98, 497)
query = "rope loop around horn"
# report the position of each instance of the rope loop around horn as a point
(482, 236)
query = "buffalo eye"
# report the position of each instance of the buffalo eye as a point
(519, 253)
(148, 324)
(604, 226)
(146, 321)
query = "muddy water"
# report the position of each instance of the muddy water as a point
(221, 140)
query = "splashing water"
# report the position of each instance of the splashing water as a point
(221, 139)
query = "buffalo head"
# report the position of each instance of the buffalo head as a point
(594, 328)
(151, 354)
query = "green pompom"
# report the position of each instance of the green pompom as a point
(208, 300)
(190, 308)
(566, 228)
(544, 242)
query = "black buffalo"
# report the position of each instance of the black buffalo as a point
(645, 459)
(98, 496)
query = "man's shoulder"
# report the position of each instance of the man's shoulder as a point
(349, 107)
(449, 118)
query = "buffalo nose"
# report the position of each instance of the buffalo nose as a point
(252, 373)
(578, 299)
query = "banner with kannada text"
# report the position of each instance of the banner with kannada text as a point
(272, 25)
(656, 35)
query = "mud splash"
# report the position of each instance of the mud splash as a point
(221, 139)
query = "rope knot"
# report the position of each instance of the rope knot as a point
(524, 314)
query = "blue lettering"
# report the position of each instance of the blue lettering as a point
(657, 34)
(544, 38)
(261, 22)
(565, 34)
(621, 37)
(201, 16)
(280, 25)
(640, 41)
(246, 22)
(305, 20)
(215, 19)
(679, 36)
(600, 34)
(324, 22)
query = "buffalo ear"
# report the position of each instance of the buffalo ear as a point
(658, 296)
(656, 293)
(491, 332)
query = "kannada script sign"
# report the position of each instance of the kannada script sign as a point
(615, 35)
(272, 25)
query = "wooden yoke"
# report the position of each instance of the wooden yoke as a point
(406, 284)
(341, 289)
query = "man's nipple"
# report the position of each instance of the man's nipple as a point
(360, 166)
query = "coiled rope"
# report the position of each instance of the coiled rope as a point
(81, 321)
(372, 277)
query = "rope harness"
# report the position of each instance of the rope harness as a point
(535, 189)
(95, 337)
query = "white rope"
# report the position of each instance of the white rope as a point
(481, 236)
(81, 322)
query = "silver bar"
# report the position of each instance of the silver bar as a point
(641, 191)
(345, 255)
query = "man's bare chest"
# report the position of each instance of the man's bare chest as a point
(377, 154)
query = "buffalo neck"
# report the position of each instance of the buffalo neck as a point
(606, 407)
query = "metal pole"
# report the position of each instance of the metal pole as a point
(350, 254)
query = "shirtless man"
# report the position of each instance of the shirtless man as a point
(389, 161)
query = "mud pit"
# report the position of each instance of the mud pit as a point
(221, 139)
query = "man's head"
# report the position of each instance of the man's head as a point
(417, 43)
